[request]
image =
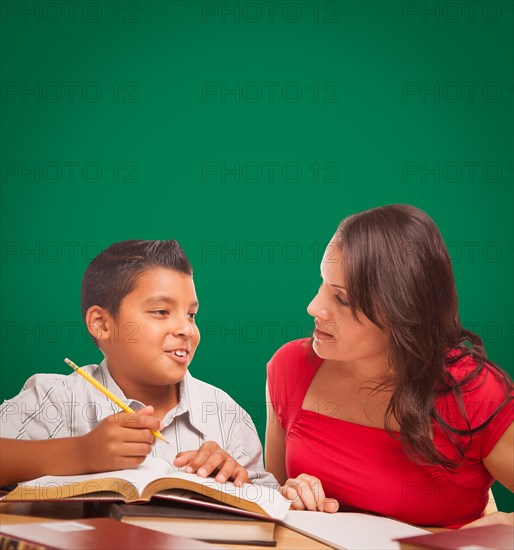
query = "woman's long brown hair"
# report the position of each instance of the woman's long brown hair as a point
(399, 274)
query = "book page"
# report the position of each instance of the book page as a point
(139, 477)
(350, 531)
(262, 498)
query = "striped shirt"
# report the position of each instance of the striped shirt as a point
(54, 405)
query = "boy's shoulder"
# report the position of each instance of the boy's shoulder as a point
(51, 405)
(43, 383)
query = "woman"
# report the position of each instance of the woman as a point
(392, 407)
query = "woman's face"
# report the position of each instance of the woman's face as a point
(338, 336)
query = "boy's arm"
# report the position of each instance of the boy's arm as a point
(120, 441)
(21, 460)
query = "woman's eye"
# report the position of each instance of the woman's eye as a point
(192, 315)
(341, 301)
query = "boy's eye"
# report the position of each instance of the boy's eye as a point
(160, 312)
(341, 301)
(192, 315)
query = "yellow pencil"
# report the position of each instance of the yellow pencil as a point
(107, 393)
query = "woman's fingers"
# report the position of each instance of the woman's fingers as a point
(330, 505)
(306, 492)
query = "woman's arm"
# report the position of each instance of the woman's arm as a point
(500, 464)
(275, 444)
(305, 491)
(500, 461)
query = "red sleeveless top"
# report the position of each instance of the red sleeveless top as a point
(366, 469)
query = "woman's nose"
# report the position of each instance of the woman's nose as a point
(316, 309)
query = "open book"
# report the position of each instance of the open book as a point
(154, 478)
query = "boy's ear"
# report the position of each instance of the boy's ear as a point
(98, 322)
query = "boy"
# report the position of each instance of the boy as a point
(139, 304)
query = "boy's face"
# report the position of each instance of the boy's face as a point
(155, 336)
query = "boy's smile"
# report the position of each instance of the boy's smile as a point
(154, 337)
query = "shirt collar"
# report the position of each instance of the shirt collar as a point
(190, 399)
(109, 382)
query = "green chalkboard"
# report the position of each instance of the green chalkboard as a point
(246, 131)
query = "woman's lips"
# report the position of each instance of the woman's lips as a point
(322, 336)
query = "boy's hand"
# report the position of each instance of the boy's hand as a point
(306, 492)
(120, 441)
(209, 457)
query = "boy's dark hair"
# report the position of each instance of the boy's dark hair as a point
(114, 272)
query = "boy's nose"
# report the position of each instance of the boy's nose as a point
(183, 328)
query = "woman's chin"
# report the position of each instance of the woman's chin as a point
(322, 349)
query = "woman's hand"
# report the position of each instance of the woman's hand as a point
(209, 457)
(495, 518)
(306, 493)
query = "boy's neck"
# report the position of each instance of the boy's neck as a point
(162, 398)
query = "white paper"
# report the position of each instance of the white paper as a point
(349, 531)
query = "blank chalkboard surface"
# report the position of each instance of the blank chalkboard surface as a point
(246, 130)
